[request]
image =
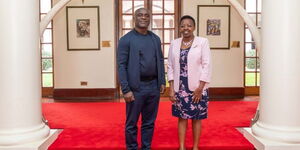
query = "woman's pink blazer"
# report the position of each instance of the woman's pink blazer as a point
(198, 61)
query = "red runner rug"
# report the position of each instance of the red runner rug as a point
(100, 126)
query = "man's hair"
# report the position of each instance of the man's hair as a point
(188, 17)
(135, 12)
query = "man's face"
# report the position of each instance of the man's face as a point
(142, 18)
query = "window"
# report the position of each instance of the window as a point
(251, 61)
(164, 20)
(46, 51)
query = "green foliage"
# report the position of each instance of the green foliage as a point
(47, 64)
(47, 80)
(250, 63)
(251, 52)
(250, 79)
(46, 54)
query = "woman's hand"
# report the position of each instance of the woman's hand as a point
(197, 95)
(172, 92)
(172, 95)
(162, 89)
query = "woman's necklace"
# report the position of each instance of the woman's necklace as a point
(187, 44)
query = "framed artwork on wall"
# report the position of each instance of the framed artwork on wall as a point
(83, 28)
(214, 24)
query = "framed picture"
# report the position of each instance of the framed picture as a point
(83, 28)
(214, 24)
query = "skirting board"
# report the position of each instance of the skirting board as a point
(94, 94)
(226, 92)
(84, 94)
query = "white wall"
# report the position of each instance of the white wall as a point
(95, 67)
(98, 67)
(227, 64)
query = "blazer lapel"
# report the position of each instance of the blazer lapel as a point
(177, 46)
(195, 43)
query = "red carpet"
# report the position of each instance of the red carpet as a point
(100, 126)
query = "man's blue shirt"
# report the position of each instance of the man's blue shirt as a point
(147, 55)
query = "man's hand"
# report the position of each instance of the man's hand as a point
(162, 89)
(128, 97)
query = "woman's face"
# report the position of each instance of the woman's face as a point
(187, 28)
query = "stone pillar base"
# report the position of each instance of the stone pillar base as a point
(265, 144)
(37, 145)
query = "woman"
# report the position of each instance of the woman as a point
(189, 71)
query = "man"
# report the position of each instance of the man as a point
(142, 77)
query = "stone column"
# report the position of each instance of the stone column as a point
(280, 72)
(20, 77)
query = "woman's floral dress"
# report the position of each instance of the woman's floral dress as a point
(184, 107)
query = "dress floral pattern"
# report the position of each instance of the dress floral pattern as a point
(184, 107)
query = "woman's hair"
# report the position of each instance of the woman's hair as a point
(188, 17)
